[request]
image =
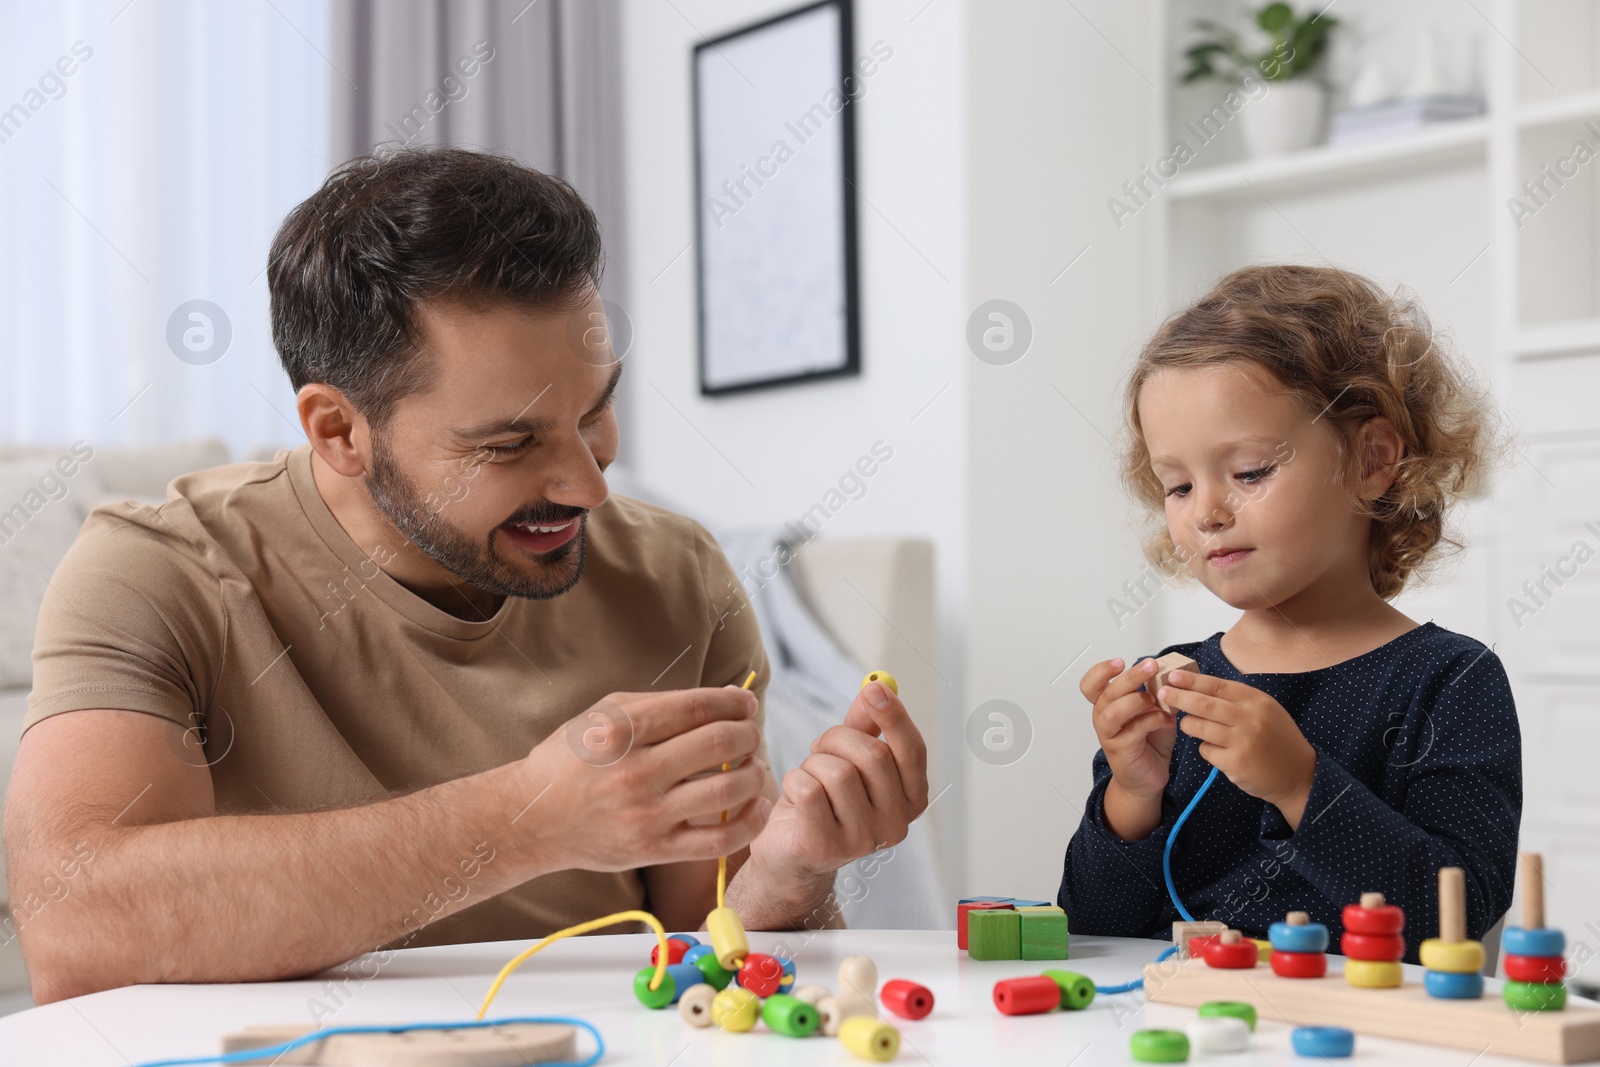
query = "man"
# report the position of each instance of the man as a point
(418, 681)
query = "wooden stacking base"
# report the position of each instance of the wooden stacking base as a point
(1407, 1013)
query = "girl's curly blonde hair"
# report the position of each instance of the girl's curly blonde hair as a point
(1346, 352)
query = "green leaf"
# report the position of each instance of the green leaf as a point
(1275, 17)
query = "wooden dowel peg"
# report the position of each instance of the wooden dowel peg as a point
(1452, 904)
(1372, 900)
(1530, 872)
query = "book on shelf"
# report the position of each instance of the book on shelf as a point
(1390, 118)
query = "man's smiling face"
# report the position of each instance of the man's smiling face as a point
(492, 468)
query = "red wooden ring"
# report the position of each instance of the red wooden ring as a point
(1299, 964)
(1382, 947)
(1236, 957)
(1027, 996)
(1385, 920)
(675, 951)
(1198, 943)
(912, 1001)
(1535, 968)
(761, 974)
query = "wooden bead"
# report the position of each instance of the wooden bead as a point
(836, 1009)
(1299, 964)
(735, 1009)
(1032, 995)
(1044, 934)
(1373, 946)
(1373, 974)
(1159, 1046)
(907, 999)
(963, 916)
(1298, 937)
(1455, 957)
(1452, 985)
(1325, 1042)
(760, 974)
(707, 964)
(884, 678)
(1237, 1009)
(994, 935)
(869, 1038)
(1375, 919)
(1534, 996)
(1172, 661)
(786, 982)
(1534, 941)
(675, 951)
(661, 995)
(789, 1016)
(727, 938)
(1236, 954)
(1077, 990)
(695, 1004)
(858, 975)
(1219, 1034)
(1533, 968)
(684, 976)
(812, 993)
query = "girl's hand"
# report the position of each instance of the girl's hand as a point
(1135, 734)
(1249, 736)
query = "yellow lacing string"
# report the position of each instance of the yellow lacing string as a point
(722, 861)
(583, 928)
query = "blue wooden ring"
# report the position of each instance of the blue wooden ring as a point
(1544, 941)
(1310, 937)
(1449, 986)
(1324, 1041)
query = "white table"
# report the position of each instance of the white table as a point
(591, 977)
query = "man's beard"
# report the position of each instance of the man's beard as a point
(474, 563)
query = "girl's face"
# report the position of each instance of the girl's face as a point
(1254, 502)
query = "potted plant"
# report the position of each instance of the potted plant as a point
(1289, 114)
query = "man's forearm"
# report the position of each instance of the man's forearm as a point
(766, 901)
(259, 897)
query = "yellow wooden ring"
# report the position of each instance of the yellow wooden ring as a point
(1373, 974)
(1263, 949)
(1456, 957)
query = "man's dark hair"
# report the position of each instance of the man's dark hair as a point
(390, 231)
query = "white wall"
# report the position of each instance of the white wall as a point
(766, 457)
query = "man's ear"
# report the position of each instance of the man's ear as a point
(337, 431)
(1380, 450)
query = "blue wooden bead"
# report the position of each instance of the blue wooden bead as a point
(696, 952)
(1307, 937)
(788, 972)
(687, 939)
(1452, 986)
(1544, 941)
(683, 976)
(1324, 1041)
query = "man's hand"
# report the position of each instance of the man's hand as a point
(1249, 736)
(626, 783)
(1137, 738)
(859, 791)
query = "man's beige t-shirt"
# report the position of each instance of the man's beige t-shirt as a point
(242, 611)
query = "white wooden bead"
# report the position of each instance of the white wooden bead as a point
(695, 1004)
(1219, 1034)
(811, 993)
(858, 975)
(835, 1010)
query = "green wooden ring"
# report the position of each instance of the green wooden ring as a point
(1159, 1046)
(1077, 991)
(1535, 996)
(789, 1015)
(1237, 1009)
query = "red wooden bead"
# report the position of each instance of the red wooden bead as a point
(1373, 946)
(761, 974)
(912, 1001)
(1386, 919)
(1027, 996)
(961, 917)
(1299, 964)
(675, 951)
(1237, 956)
(1535, 968)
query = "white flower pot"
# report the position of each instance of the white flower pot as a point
(1287, 118)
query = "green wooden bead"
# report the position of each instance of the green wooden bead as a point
(994, 934)
(1535, 996)
(1044, 935)
(1077, 990)
(654, 998)
(1159, 1046)
(716, 977)
(789, 1015)
(1236, 1009)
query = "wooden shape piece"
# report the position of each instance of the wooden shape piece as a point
(994, 935)
(1183, 932)
(1172, 661)
(1044, 935)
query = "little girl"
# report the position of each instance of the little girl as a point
(1303, 437)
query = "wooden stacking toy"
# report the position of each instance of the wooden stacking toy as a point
(1534, 964)
(1372, 944)
(1299, 947)
(1455, 964)
(1228, 950)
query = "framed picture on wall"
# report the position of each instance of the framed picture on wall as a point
(774, 127)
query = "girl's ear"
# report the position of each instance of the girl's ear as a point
(1379, 450)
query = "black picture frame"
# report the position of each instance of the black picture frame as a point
(836, 240)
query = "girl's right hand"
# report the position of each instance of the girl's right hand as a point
(1135, 734)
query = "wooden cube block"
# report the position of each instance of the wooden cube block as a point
(965, 907)
(1052, 908)
(1182, 932)
(994, 934)
(1172, 661)
(1044, 934)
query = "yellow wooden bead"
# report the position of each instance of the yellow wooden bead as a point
(835, 1010)
(1373, 974)
(858, 975)
(882, 676)
(869, 1038)
(1455, 957)
(727, 938)
(735, 1009)
(1263, 949)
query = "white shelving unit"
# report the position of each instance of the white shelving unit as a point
(1518, 293)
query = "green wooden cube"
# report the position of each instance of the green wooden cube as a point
(994, 934)
(1044, 935)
